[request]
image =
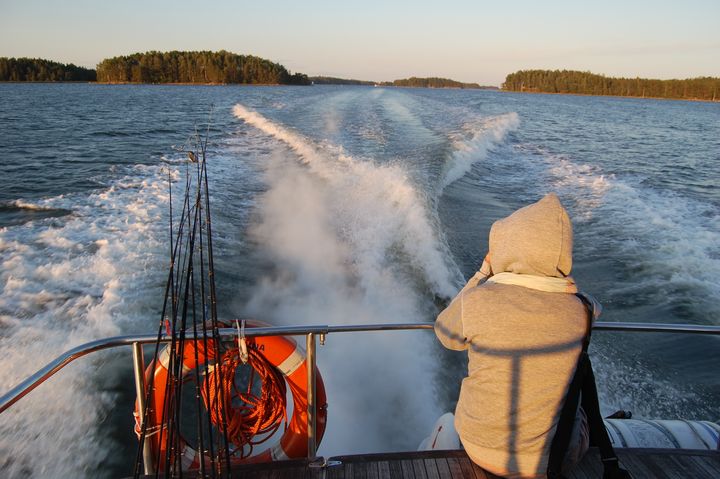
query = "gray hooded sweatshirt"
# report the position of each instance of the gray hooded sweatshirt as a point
(523, 342)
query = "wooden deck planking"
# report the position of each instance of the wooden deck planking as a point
(431, 468)
(481, 473)
(635, 465)
(670, 463)
(419, 468)
(584, 470)
(384, 470)
(407, 468)
(395, 468)
(642, 463)
(454, 467)
(373, 470)
(443, 467)
(467, 468)
(705, 468)
(667, 466)
(589, 468)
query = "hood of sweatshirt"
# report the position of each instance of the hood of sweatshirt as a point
(535, 240)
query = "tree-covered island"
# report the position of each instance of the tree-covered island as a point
(196, 67)
(434, 82)
(585, 83)
(39, 70)
(325, 80)
(224, 67)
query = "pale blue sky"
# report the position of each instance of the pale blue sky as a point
(474, 41)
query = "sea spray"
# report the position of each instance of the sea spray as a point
(375, 207)
(352, 243)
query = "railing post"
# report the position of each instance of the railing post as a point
(139, 369)
(311, 407)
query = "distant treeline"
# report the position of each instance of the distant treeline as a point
(431, 82)
(36, 69)
(338, 81)
(568, 81)
(195, 67)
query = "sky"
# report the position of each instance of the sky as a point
(472, 41)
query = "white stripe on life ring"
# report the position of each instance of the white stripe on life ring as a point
(277, 453)
(165, 362)
(188, 457)
(292, 362)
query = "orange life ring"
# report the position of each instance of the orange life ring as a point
(283, 353)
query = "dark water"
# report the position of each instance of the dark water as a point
(341, 205)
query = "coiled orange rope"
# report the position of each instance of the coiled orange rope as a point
(251, 419)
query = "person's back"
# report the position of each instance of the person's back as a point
(523, 328)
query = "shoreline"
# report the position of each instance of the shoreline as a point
(197, 84)
(152, 84)
(496, 89)
(611, 96)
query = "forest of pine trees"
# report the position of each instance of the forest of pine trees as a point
(195, 67)
(323, 80)
(431, 82)
(36, 69)
(223, 67)
(568, 81)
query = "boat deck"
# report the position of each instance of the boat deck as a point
(642, 463)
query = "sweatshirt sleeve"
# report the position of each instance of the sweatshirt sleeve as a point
(449, 326)
(479, 277)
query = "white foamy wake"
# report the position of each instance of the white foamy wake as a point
(670, 241)
(482, 137)
(375, 207)
(353, 244)
(64, 282)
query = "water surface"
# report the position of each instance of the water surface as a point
(341, 205)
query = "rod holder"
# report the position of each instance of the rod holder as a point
(311, 393)
(139, 370)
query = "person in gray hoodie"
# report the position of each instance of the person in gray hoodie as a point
(523, 328)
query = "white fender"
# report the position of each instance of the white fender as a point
(443, 435)
(668, 434)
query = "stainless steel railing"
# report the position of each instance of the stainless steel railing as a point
(311, 334)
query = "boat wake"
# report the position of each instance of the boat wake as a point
(20, 212)
(69, 280)
(473, 146)
(352, 242)
(666, 239)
